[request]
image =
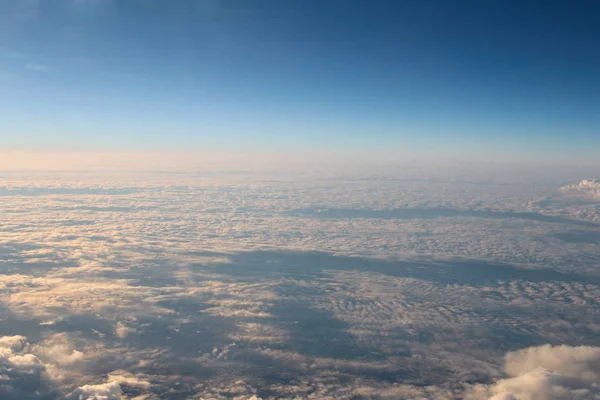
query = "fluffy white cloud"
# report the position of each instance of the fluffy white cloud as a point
(59, 350)
(128, 379)
(547, 373)
(39, 370)
(12, 343)
(589, 187)
(22, 374)
(104, 391)
(122, 330)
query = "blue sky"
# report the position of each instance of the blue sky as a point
(298, 74)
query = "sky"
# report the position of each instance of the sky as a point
(464, 77)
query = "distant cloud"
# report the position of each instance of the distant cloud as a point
(590, 187)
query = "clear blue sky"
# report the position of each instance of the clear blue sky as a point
(208, 74)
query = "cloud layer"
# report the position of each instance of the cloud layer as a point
(189, 286)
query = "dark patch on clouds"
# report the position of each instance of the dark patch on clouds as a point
(100, 238)
(589, 237)
(75, 222)
(25, 383)
(99, 209)
(58, 223)
(313, 264)
(314, 332)
(317, 333)
(12, 324)
(187, 340)
(89, 325)
(13, 261)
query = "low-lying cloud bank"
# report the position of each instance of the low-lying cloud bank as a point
(546, 373)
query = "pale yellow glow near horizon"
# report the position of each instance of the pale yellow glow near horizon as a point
(157, 161)
(24, 160)
(217, 161)
(45, 161)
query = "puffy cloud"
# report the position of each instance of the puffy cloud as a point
(590, 187)
(582, 362)
(547, 373)
(41, 370)
(122, 330)
(11, 343)
(59, 350)
(23, 375)
(104, 391)
(125, 378)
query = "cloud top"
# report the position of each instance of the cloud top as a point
(547, 372)
(105, 391)
(590, 187)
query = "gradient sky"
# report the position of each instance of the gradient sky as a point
(520, 76)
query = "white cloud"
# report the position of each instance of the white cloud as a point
(104, 391)
(59, 350)
(547, 373)
(128, 379)
(590, 187)
(582, 362)
(122, 330)
(24, 375)
(12, 343)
